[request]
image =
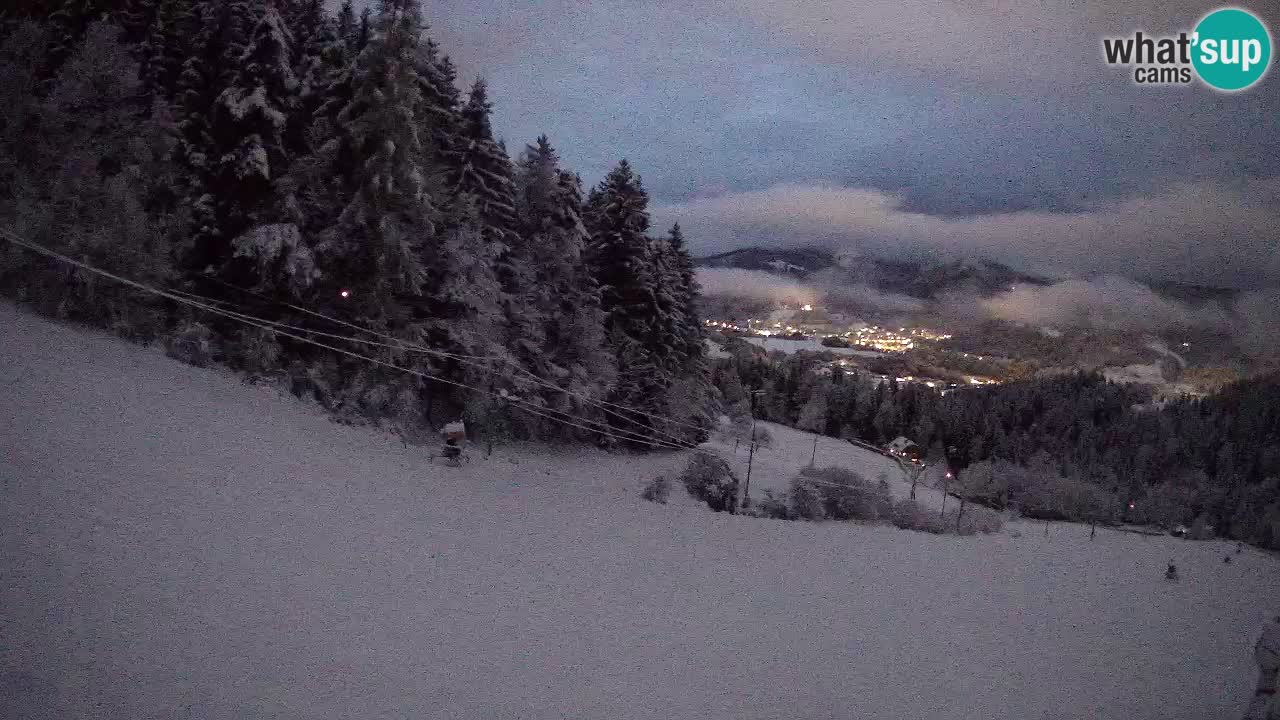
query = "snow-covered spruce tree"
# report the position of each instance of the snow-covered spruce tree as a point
(162, 51)
(81, 191)
(664, 339)
(480, 169)
(694, 398)
(321, 60)
(222, 31)
(68, 25)
(620, 255)
(410, 266)
(250, 157)
(346, 23)
(21, 52)
(564, 297)
(441, 102)
(364, 30)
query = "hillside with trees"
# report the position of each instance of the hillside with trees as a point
(1072, 446)
(325, 175)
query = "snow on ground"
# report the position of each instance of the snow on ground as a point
(176, 544)
(1148, 375)
(775, 465)
(813, 344)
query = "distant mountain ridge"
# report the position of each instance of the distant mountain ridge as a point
(918, 279)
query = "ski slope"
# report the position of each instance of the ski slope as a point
(176, 544)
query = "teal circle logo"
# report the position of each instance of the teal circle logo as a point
(1231, 49)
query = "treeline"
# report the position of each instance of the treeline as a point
(273, 158)
(1071, 446)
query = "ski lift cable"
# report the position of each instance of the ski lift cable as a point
(633, 437)
(537, 380)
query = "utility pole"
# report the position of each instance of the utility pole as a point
(751, 452)
(813, 459)
(912, 475)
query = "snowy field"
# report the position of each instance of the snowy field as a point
(175, 544)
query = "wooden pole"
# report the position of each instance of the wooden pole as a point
(751, 454)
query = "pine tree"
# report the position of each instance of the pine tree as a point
(216, 50)
(248, 130)
(440, 102)
(481, 170)
(363, 32)
(620, 255)
(346, 24)
(692, 335)
(696, 395)
(69, 23)
(665, 340)
(372, 257)
(563, 297)
(136, 18)
(161, 52)
(321, 59)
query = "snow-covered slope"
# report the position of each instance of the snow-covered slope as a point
(175, 544)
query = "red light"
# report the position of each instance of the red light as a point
(1130, 506)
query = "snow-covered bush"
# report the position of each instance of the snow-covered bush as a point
(259, 352)
(977, 519)
(709, 479)
(910, 515)
(845, 495)
(806, 503)
(657, 490)
(775, 506)
(193, 344)
(764, 438)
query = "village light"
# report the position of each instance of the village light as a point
(345, 294)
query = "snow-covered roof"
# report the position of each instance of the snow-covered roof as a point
(900, 443)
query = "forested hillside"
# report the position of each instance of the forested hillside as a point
(274, 159)
(1071, 446)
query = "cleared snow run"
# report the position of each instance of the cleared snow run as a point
(176, 544)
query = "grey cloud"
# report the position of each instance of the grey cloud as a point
(755, 285)
(1109, 302)
(1198, 233)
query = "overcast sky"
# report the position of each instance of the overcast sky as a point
(944, 127)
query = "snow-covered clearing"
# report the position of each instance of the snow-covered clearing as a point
(175, 544)
(813, 344)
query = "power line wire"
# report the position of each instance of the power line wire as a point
(268, 325)
(411, 347)
(508, 361)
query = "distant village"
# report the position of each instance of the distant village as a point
(811, 329)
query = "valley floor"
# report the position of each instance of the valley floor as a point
(176, 544)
